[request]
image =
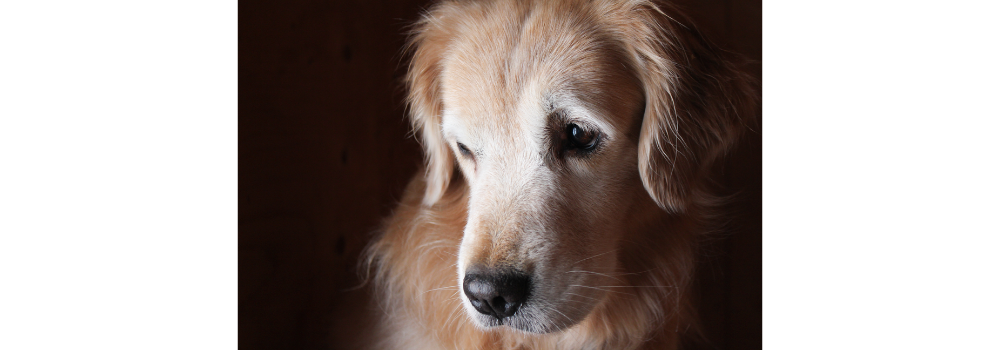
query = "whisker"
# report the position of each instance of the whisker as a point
(610, 251)
(435, 289)
(583, 296)
(603, 290)
(598, 273)
(563, 315)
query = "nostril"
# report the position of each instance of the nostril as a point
(497, 294)
(480, 292)
(499, 302)
(500, 306)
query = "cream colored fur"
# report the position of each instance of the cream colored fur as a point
(609, 237)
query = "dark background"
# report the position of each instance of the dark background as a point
(324, 154)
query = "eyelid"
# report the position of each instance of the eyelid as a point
(464, 150)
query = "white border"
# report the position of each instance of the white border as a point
(881, 171)
(118, 176)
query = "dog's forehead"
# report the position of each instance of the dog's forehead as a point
(506, 72)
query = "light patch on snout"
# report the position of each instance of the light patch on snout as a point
(531, 213)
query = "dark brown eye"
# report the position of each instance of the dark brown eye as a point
(465, 150)
(580, 138)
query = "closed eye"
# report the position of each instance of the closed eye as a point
(464, 150)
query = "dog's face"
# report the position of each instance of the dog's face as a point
(558, 119)
(545, 132)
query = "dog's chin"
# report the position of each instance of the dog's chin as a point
(527, 320)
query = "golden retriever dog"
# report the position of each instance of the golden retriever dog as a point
(569, 148)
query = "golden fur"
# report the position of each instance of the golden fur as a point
(611, 236)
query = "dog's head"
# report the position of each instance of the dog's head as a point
(564, 117)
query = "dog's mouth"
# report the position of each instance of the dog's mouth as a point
(526, 318)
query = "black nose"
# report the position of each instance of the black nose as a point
(497, 294)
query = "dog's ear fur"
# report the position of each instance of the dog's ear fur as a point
(697, 103)
(428, 43)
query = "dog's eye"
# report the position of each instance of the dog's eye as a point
(580, 138)
(465, 150)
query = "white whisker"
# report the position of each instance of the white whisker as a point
(607, 252)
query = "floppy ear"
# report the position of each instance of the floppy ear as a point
(697, 104)
(428, 43)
